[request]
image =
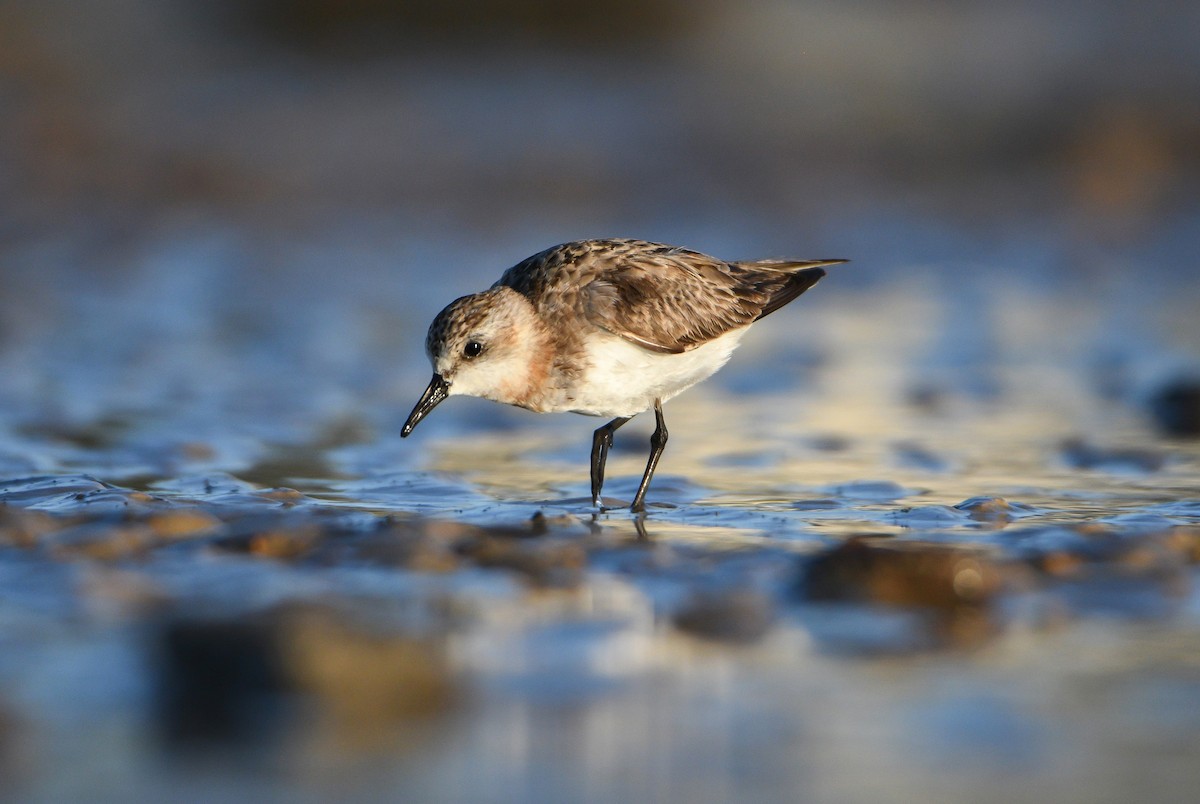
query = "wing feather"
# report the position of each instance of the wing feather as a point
(663, 298)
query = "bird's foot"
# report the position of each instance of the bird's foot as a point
(603, 505)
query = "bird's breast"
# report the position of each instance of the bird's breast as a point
(609, 376)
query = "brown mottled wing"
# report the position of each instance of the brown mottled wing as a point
(660, 297)
(671, 300)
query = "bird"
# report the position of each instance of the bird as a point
(607, 327)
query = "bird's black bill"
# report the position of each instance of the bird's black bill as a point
(438, 390)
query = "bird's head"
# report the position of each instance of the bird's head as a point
(489, 345)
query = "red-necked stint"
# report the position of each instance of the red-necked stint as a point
(604, 328)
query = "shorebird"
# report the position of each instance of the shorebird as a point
(604, 328)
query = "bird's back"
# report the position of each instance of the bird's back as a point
(663, 298)
(572, 265)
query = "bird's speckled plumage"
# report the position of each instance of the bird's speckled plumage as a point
(664, 298)
(603, 327)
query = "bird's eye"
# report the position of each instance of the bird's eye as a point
(472, 349)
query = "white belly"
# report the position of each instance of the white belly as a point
(623, 379)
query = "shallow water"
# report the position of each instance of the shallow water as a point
(869, 570)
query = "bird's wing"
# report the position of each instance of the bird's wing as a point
(663, 298)
(668, 301)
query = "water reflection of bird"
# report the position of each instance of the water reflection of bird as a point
(604, 328)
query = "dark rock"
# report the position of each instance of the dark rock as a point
(1175, 408)
(218, 683)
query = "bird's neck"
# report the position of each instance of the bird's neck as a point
(529, 383)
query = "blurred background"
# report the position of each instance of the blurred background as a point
(280, 193)
(226, 224)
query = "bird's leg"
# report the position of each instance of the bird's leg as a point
(602, 439)
(658, 442)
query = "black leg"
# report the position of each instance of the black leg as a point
(602, 439)
(658, 442)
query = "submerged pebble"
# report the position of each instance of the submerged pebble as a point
(911, 455)
(829, 442)
(1080, 454)
(996, 510)
(21, 527)
(900, 574)
(731, 615)
(909, 596)
(102, 540)
(265, 536)
(182, 523)
(1103, 553)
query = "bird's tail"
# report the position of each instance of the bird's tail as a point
(800, 276)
